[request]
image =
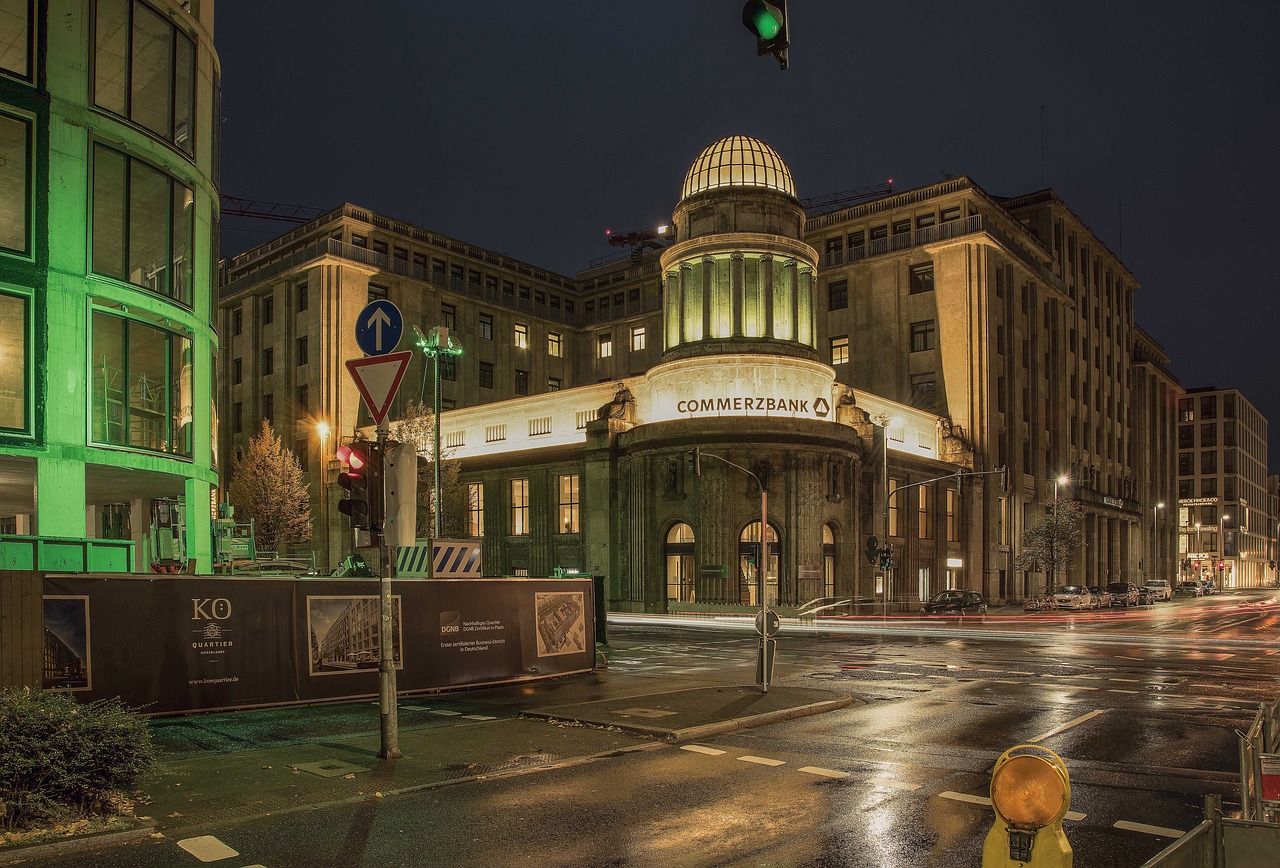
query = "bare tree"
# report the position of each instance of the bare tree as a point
(266, 486)
(418, 427)
(1052, 543)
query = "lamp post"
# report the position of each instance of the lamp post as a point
(1222, 546)
(436, 344)
(1063, 479)
(1198, 552)
(1155, 541)
(882, 422)
(322, 430)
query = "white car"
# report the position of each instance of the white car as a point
(1159, 591)
(1074, 597)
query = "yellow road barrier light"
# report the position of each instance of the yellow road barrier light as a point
(1031, 793)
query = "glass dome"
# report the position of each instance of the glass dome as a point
(738, 161)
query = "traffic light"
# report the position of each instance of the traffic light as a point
(363, 503)
(886, 558)
(401, 488)
(767, 21)
(1030, 793)
(695, 460)
(1003, 470)
(873, 550)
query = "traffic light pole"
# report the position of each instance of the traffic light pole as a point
(388, 711)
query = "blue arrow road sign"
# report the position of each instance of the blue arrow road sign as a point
(379, 327)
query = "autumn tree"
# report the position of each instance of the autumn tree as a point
(266, 486)
(1052, 543)
(418, 427)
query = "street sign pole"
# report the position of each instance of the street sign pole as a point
(387, 708)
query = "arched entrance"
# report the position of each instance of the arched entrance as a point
(748, 561)
(680, 568)
(828, 560)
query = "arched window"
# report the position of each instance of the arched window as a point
(749, 558)
(680, 567)
(829, 560)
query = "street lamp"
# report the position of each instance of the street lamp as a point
(322, 430)
(883, 422)
(1222, 545)
(435, 344)
(1155, 542)
(1053, 535)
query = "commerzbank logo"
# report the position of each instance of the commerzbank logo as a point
(766, 404)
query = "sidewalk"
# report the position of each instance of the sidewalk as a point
(218, 768)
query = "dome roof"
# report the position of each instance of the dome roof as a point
(738, 161)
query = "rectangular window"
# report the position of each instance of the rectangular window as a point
(838, 295)
(1209, 461)
(144, 70)
(486, 326)
(142, 225)
(15, 175)
(237, 372)
(302, 297)
(301, 351)
(449, 316)
(555, 344)
(522, 382)
(840, 350)
(1186, 463)
(604, 346)
(924, 335)
(508, 288)
(921, 278)
(141, 385)
(16, 35)
(953, 515)
(486, 375)
(268, 408)
(569, 503)
(237, 418)
(14, 329)
(924, 390)
(922, 516)
(302, 398)
(522, 336)
(553, 384)
(1209, 434)
(895, 528)
(268, 361)
(268, 310)
(449, 368)
(639, 338)
(237, 321)
(519, 507)
(475, 509)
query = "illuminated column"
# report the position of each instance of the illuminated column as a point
(766, 293)
(735, 292)
(791, 280)
(686, 272)
(708, 293)
(671, 335)
(804, 308)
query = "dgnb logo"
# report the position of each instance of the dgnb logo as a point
(450, 622)
(210, 609)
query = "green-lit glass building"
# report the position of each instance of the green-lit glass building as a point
(108, 252)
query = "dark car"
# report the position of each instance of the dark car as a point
(1188, 589)
(956, 602)
(1123, 593)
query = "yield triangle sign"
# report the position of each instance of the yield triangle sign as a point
(378, 379)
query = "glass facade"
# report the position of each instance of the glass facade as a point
(143, 225)
(141, 378)
(16, 36)
(14, 327)
(15, 182)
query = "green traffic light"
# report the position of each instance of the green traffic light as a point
(761, 20)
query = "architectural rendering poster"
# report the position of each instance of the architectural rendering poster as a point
(561, 623)
(66, 643)
(344, 634)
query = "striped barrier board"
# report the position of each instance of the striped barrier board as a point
(439, 559)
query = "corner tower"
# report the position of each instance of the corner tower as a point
(739, 278)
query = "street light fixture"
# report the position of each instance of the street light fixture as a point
(1222, 547)
(322, 431)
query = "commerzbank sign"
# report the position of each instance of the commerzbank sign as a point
(766, 404)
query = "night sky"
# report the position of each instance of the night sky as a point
(531, 128)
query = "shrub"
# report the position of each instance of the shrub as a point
(60, 757)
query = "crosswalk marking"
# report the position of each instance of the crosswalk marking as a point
(761, 760)
(479, 717)
(826, 773)
(697, 748)
(983, 800)
(207, 848)
(1070, 723)
(895, 784)
(1117, 690)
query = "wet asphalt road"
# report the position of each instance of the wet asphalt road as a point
(1142, 705)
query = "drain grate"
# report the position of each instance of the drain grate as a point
(330, 768)
(466, 770)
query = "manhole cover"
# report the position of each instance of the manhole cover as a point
(330, 768)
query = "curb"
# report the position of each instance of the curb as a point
(17, 855)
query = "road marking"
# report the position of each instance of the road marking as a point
(444, 713)
(897, 785)
(1150, 830)
(1013, 672)
(479, 717)
(1117, 690)
(761, 760)
(207, 848)
(1129, 680)
(1005, 682)
(826, 773)
(697, 748)
(1082, 687)
(1079, 720)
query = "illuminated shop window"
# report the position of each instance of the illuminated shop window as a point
(144, 70)
(141, 385)
(142, 225)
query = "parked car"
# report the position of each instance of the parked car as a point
(1188, 589)
(1123, 593)
(956, 602)
(1074, 597)
(1103, 598)
(1159, 591)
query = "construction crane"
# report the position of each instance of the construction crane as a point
(835, 201)
(234, 206)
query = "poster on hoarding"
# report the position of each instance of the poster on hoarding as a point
(344, 634)
(66, 644)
